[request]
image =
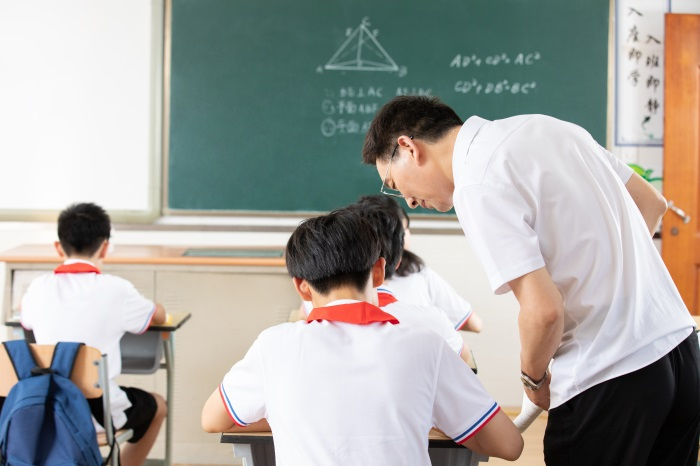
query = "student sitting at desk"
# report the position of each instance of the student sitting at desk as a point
(351, 385)
(78, 303)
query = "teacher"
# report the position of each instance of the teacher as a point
(566, 226)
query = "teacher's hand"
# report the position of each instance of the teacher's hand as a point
(540, 397)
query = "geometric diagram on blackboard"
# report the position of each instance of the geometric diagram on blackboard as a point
(361, 51)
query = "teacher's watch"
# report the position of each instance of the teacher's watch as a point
(531, 384)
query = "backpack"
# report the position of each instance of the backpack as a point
(46, 420)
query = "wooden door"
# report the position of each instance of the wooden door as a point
(681, 237)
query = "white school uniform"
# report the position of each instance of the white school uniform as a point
(427, 288)
(353, 386)
(78, 303)
(532, 191)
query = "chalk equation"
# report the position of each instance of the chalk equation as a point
(332, 127)
(520, 59)
(477, 87)
(348, 110)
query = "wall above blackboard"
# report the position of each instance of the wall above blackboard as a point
(270, 99)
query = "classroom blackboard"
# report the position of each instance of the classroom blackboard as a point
(270, 99)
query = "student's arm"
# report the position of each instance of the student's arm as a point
(474, 324)
(215, 418)
(649, 201)
(159, 316)
(467, 356)
(541, 323)
(258, 426)
(499, 438)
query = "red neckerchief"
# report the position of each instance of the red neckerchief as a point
(76, 267)
(360, 313)
(385, 297)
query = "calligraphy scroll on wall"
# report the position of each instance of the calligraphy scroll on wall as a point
(639, 68)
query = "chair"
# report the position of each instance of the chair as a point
(141, 354)
(89, 374)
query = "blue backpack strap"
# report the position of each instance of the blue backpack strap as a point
(64, 358)
(21, 357)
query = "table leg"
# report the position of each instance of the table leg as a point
(169, 350)
(245, 452)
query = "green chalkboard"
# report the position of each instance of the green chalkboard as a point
(270, 99)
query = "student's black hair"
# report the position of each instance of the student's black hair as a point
(333, 250)
(82, 228)
(386, 221)
(410, 262)
(421, 117)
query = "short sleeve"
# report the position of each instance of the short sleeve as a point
(497, 222)
(242, 390)
(138, 311)
(462, 406)
(623, 170)
(446, 330)
(444, 296)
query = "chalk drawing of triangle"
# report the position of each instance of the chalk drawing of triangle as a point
(361, 52)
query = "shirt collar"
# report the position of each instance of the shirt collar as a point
(386, 296)
(464, 139)
(76, 266)
(351, 312)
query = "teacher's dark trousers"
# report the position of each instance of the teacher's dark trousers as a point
(648, 417)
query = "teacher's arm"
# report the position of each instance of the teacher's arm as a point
(541, 325)
(649, 201)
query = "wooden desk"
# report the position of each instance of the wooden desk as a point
(166, 331)
(157, 255)
(258, 449)
(233, 299)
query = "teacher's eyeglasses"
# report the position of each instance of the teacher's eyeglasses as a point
(385, 189)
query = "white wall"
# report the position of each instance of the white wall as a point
(80, 104)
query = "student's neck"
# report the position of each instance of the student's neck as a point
(92, 259)
(346, 292)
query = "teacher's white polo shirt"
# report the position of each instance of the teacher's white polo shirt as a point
(533, 191)
(351, 385)
(78, 303)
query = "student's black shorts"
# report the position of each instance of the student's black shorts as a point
(138, 417)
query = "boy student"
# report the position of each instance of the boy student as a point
(78, 303)
(567, 227)
(388, 226)
(351, 385)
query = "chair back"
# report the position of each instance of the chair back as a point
(141, 354)
(85, 371)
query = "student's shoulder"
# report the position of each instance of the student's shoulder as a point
(115, 280)
(280, 331)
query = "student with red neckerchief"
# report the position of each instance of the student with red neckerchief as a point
(79, 303)
(351, 384)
